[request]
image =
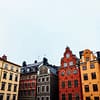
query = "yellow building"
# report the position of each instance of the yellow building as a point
(9, 79)
(90, 75)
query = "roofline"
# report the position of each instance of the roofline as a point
(9, 62)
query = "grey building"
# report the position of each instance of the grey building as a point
(47, 82)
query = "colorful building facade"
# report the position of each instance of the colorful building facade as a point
(69, 77)
(9, 79)
(47, 82)
(28, 81)
(90, 74)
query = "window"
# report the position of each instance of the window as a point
(75, 71)
(38, 89)
(85, 76)
(29, 92)
(3, 86)
(87, 98)
(95, 87)
(29, 85)
(68, 72)
(47, 88)
(33, 92)
(63, 84)
(43, 79)
(6, 66)
(87, 58)
(75, 83)
(15, 87)
(25, 85)
(84, 68)
(67, 55)
(16, 78)
(43, 88)
(62, 73)
(47, 79)
(4, 75)
(33, 84)
(11, 75)
(69, 84)
(47, 98)
(69, 96)
(1, 96)
(71, 63)
(9, 86)
(92, 66)
(14, 97)
(93, 75)
(17, 70)
(39, 79)
(86, 88)
(42, 98)
(96, 98)
(38, 98)
(77, 97)
(65, 64)
(12, 68)
(63, 97)
(8, 97)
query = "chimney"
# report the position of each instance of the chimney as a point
(4, 57)
(45, 61)
(24, 64)
(35, 61)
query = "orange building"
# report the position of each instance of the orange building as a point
(69, 77)
(90, 75)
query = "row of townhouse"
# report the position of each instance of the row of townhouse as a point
(74, 79)
(39, 81)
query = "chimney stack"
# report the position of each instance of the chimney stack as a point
(4, 57)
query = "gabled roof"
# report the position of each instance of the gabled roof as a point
(53, 69)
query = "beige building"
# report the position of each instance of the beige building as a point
(90, 75)
(9, 79)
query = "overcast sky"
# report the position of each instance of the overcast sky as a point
(32, 29)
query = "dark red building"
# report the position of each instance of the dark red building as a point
(69, 77)
(28, 81)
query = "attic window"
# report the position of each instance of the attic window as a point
(87, 58)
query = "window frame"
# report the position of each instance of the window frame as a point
(86, 88)
(69, 84)
(95, 87)
(85, 76)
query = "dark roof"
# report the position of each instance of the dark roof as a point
(53, 69)
(30, 68)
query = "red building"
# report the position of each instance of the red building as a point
(69, 77)
(28, 81)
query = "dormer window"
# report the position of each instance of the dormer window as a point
(22, 70)
(28, 69)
